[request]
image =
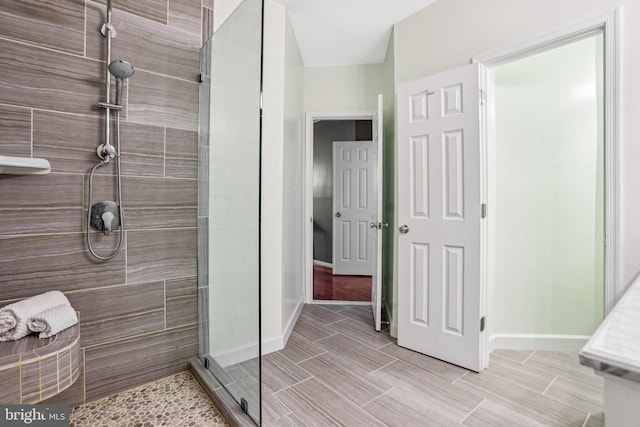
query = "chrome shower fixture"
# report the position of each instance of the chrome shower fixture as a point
(120, 70)
(107, 216)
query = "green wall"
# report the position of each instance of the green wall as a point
(389, 183)
(546, 193)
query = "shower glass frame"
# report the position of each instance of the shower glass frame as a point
(229, 179)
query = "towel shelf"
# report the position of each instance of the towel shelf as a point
(24, 166)
(44, 367)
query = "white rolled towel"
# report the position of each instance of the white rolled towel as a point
(13, 317)
(53, 320)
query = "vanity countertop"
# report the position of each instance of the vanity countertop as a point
(615, 346)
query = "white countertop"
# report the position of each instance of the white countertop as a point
(615, 346)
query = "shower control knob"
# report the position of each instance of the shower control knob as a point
(106, 152)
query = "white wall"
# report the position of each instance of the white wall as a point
(293, 181)
(282, 162)
(223, 9)
(272, 170)
(352, 88)
(449, 33)
(546, 192)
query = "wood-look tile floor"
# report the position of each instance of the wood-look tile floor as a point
(337, 371)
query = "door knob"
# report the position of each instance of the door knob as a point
(338, 214)
(404, 229)
(373, 225)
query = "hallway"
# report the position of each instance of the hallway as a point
(328, 287)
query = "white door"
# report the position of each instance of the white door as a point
(379, 225)
(353, 207)
(439, 216)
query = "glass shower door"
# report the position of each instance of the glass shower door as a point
(229, 202)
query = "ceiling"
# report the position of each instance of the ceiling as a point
(341, 32)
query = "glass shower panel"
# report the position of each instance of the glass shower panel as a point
(231, 66)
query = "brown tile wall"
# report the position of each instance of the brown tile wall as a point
(138, 312)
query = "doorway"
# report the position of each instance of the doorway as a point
(440, 98)
(329, 283)
(546, 195)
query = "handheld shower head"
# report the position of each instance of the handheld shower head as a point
(120, 70)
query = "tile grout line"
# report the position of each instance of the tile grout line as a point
(84, 48)
(289, 386)
(88, 58)
(84, 375)
(164, 153)
(317, 407)
(460, 377)
(528, 357)
(164, 305)
(384, 366)
(308, 358)
(469, 414)
(31, 110)
(314, 317)
(375, 398)
(282, 417)
(549, 386)
(319, 339)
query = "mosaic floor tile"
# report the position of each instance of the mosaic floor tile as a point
(174, 401)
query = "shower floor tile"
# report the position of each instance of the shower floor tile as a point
(173, 401)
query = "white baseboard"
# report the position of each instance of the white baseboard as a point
(537, 342)
(236, 355)
(322, 263)
(278, 343)
(292, 321)
(273, 344)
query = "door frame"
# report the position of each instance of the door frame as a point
(311, 117)
(609, 23)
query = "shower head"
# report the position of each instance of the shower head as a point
(121, 69)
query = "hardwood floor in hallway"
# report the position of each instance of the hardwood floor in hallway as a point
(336, 370)
(328, 287)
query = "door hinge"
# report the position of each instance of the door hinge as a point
(483, 97)
(483, 210)
(200, 78)
(244, 405)
(482, 323)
